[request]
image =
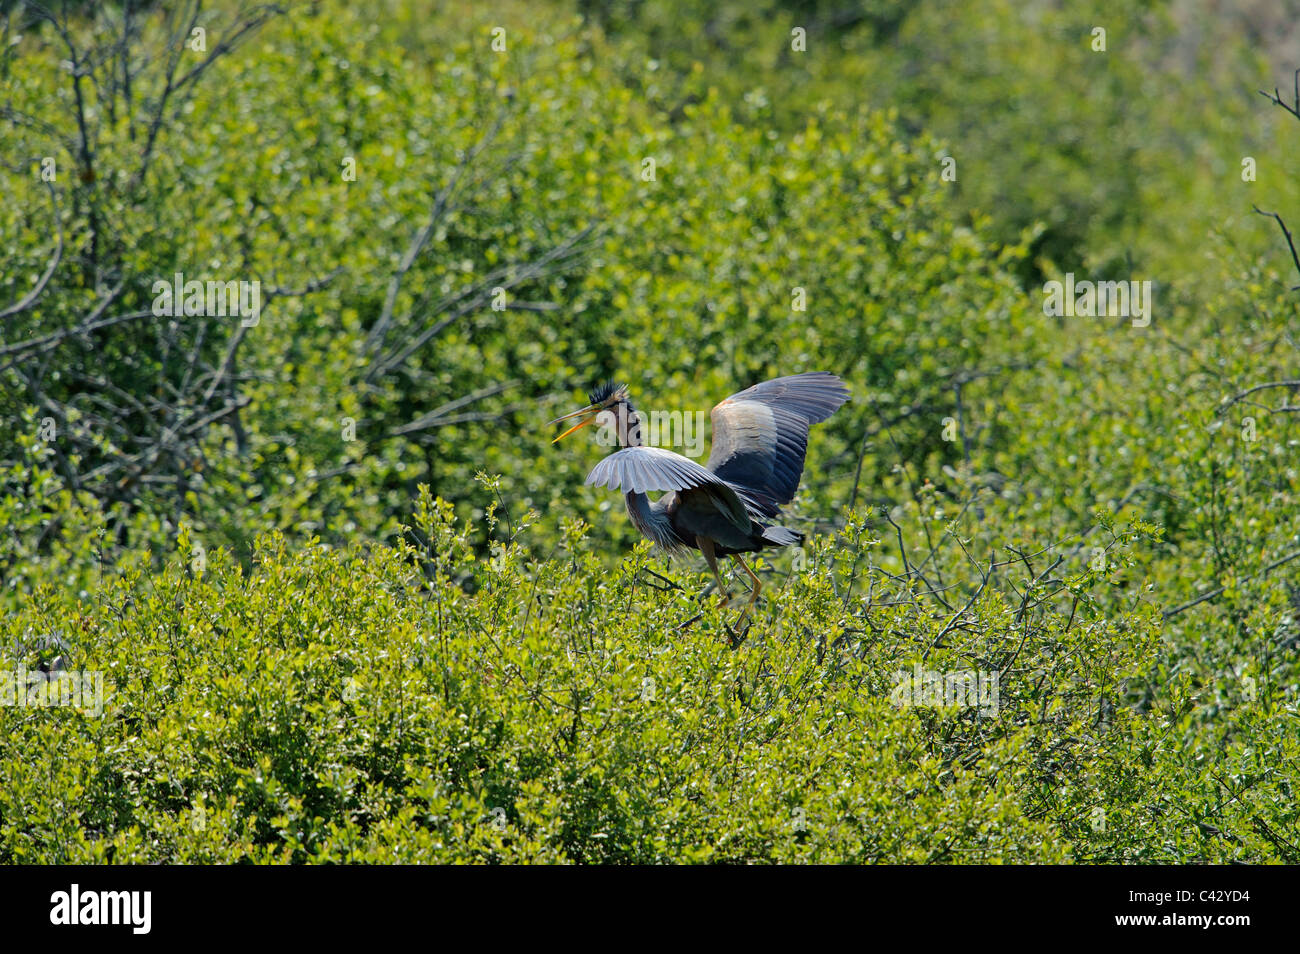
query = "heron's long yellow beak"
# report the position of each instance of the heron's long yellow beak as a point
(591, 409)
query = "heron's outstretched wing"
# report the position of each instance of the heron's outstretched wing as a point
(760, 435)
(642, 469)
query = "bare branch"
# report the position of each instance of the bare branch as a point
(1289, 241)
(380, 330)
(477, 295)
(1294, 554)
(30, 298)
(1276, 98)
(1259, 387)
(439, 416)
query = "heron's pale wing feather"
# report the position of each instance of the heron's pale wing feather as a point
(760, 435)
(649, 469)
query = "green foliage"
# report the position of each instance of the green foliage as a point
(1122, 158)
(363, 706)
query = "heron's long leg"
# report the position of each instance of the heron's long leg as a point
(710, 557)
(753, 596)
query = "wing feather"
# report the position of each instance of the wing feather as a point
(648, 469)
(760, 435)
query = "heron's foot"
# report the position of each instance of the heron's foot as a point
(735, 635)
(724, 601)
(745, 613)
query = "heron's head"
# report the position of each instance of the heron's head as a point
(609, 407)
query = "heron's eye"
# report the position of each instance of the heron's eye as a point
(606, 418)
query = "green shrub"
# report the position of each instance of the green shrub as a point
(420, 704)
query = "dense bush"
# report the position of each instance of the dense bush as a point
(346, 706)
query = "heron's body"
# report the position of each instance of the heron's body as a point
(729, 505)
(677, 521)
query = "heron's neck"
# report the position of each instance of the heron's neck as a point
(652, 521)
(628, 426)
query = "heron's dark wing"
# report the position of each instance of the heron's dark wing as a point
(643, 469)
(760, 435)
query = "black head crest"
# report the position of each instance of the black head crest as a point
(604, 392)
